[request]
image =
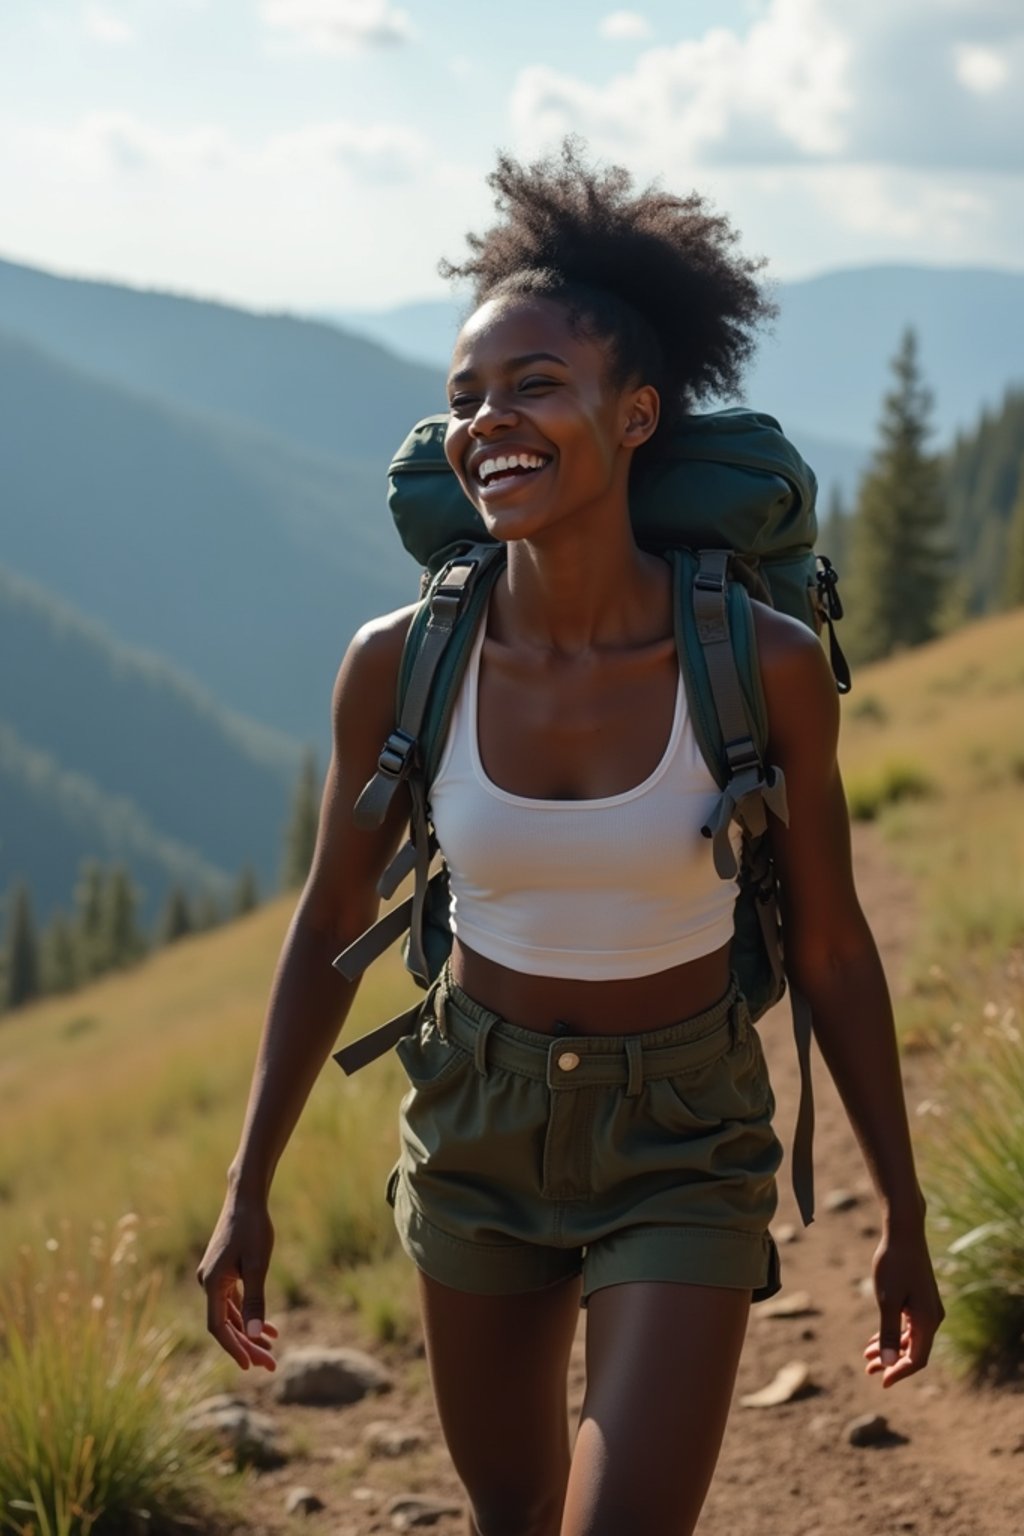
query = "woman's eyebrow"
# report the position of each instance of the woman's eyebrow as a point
(511, 364)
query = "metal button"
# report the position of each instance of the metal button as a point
(568, 1061)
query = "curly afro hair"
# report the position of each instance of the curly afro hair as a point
(655, 275)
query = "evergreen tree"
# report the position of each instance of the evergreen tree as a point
(300, 835)
(246, 895)
(21, 963)
(59, 956)
(899, 558)
(176, 918)
(89, 920)
(1013, 590)
(834, 531)
(207, 910)
(122, 941)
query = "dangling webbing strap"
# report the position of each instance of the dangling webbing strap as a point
(746, 797)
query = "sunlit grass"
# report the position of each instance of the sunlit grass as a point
(92, 1436)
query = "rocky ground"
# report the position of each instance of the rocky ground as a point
(948, 1462)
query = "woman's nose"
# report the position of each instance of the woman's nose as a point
(493, 413)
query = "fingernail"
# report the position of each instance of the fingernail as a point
(889, 1356)
(254, 1328)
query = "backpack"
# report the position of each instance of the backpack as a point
(730, 505)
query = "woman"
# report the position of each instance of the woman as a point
(632, 1165)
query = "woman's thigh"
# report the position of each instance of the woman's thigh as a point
(661, 1365)
(498, 1367)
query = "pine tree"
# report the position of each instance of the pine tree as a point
(21, 961)
(899, 559)
(122, 940)
(300, 835)
(59, 956)
(1013, 590)
(89, 920)
(207, 910)
(176, 918)
(246, 895)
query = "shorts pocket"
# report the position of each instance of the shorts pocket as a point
(733, 1088)
(430, 1060)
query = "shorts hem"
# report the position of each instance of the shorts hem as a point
(485, 1269)
(685, 1256)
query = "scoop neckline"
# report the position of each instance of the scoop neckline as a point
(532, 802)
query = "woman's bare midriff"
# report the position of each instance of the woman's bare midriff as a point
(629, 1006)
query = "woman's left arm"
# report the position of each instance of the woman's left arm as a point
(832, 958)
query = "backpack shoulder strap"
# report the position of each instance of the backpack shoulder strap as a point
(433, 660)
(718, 655)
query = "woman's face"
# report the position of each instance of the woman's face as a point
(536, 429)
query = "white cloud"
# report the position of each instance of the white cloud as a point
(624, 26)
(980, 69)
(105, 144)
(337, 26)
(921, 83)
(106, 26)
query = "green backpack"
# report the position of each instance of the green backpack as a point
(730, 505)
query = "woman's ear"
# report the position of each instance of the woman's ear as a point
(643, 409)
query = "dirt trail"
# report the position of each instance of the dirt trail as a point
(955, 1463)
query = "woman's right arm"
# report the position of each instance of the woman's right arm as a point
(309, 999)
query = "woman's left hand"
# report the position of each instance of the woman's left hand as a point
(910, 1309)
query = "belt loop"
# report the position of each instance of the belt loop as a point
(480, 1043)
(635, 1060)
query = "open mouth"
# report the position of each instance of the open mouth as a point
(507, 469)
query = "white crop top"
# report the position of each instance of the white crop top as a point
(600, 889)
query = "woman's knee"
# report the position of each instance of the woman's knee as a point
(518, 1511)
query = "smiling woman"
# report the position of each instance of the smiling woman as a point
(589, 1116)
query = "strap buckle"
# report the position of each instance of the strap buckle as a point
(741, 755)
(446, 598)
(395, 759)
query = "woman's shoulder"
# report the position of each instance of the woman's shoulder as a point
(799, 689)
(369, 669)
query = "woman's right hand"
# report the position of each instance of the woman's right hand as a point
(232, 1272)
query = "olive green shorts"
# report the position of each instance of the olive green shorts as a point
(527, 1158)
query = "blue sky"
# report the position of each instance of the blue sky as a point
(301, 154)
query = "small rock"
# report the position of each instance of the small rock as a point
(841, 1200)
(791, 1382)
(302, 1501)
(329, 1377)
(406, 1512)
(793, 1304)
(384, 1439)
(785, 1233)
(866, 1288)
(364, 1495)
(869, 1429)
(250, 1438)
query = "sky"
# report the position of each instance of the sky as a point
(315, 154)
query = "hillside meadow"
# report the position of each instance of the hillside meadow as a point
(126, 1098)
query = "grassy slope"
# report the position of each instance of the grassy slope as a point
(130, 1094)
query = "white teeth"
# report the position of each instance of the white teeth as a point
(504, 462)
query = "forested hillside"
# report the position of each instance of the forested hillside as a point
(142, 735)
(984, 477)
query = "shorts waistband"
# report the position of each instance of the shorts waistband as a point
(576, 1061)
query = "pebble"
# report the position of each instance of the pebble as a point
(384, 1439)
(841, 1200)
(868, 1429)
(329, 1377)
(785, 1233)
(250, 1438)
(793, 1304)
(408, 1511)
(302, 1501)
(791, 1382)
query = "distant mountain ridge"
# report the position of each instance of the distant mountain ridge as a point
(823, 369)
(245, 559)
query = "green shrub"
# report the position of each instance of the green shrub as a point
(870, 708)
(974, 1171)
(92, 1440)
(895, 781)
